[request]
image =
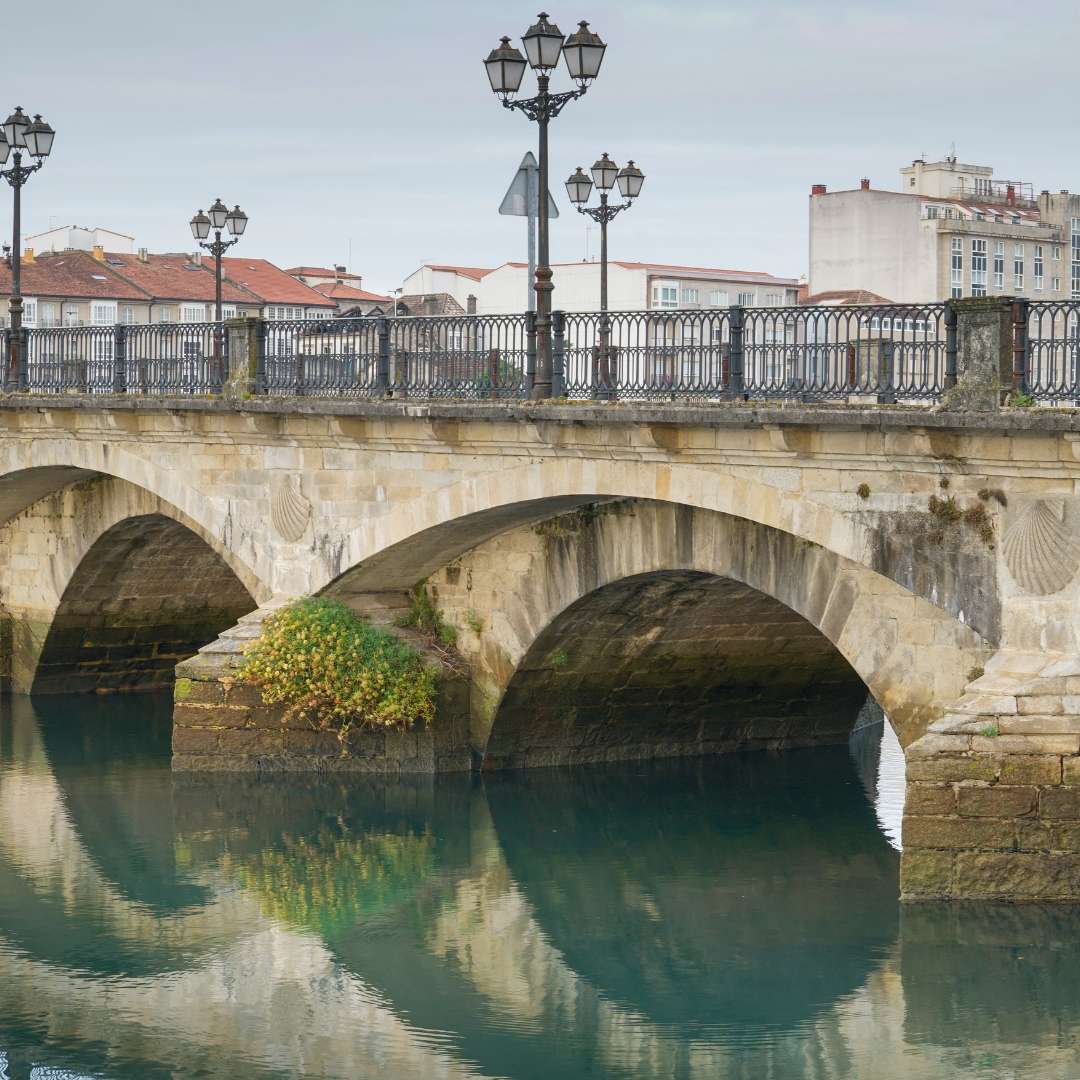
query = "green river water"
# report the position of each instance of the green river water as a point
(702, 919)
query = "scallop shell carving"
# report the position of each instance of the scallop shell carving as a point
(290, 510)
(1041, 555)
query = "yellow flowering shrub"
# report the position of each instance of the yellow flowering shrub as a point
(335, 670)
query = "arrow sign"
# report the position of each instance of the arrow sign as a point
(516, 200)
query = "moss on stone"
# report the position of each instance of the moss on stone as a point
(182, 689)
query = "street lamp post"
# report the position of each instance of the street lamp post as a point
(605, 174)
(218, 218)
(583, 52)
(19, 134)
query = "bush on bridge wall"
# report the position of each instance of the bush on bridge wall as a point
(337, 671)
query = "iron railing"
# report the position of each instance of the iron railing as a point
(1046, 350)
(883, 353)
(159, 358)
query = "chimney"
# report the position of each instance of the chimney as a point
(818, 189)
(1010, 194)
(144, 255)
(470, 304)
(196, 258)
(99, 253)
(864, 183)
(28, 255)
(339, 269)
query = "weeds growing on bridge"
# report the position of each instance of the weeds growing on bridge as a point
(338, 672)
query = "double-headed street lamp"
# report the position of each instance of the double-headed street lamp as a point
(218, 218)
(583, 52)
(605, 174)
(35, 137)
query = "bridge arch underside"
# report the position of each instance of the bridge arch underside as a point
(672, 664)
(635, 627)
(148, 594)
(105, 585)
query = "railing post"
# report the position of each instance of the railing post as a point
(950, 346)
(736, 387)
(558, 354)
(530, 351)
(1019, 344)
(119, 371)
(261, 385)
(18, 341)
(886, 390)
(240, 344)
(9, 372)
(382, 359)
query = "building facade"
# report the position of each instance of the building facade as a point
(637, 286)
(952, 230)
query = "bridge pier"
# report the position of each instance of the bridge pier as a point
(993, 800)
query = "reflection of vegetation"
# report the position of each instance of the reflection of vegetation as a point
(329, 881)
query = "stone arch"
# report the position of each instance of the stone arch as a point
(68, 566)
(32, 470)
(416, 537)
(503, 596)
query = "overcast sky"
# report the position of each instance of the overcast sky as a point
(342, 125)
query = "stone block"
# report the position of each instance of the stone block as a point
(1060, 802)
(194, 741)
(1062, 668)
(931, 745)
(1026, 744)
(926, 875)
(251, 740)
(996, 801)
(1039, 725)
(958, 833)
(1017, 876)
(210, 716)
(955, 767)
(198, 692)
(925, 798)
(1070, 770)
(243, 694)
(1040, 704)
(1031, 769)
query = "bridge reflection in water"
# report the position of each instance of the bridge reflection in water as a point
(734, 917)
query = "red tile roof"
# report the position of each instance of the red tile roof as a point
(337, 291)
(320, 271)
(270, 283)
(474, 272)
(71, 274)
(174, 277)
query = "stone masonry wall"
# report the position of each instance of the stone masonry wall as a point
(993, 799)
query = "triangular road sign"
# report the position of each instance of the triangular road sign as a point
(516, 200)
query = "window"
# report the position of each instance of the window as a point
(1037, 269)
(999, 264)
(746, 299)
(167, 315)
(982, 185)
(127, 315)
(71, 314)
(979, 215)
(690, 296)
(978, 267)
(29, 312)
(103, 312)
(718, 298)
(1055, 253)
(47, 314)
(933, 212)
(665, 294)
(956, 279)
(774, 299)
(193, 313)
(1018, 266)
(1055, 284)
(228, 311)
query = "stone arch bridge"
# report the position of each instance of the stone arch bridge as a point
(625, 581)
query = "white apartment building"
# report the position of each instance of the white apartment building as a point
(951, 230)
(439, 280)
(636, 286)
(80, 238)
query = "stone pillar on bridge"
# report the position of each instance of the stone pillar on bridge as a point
(244, 338)
(984, 361)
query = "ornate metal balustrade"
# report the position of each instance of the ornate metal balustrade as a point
(859, 353)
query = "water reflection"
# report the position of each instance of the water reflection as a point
(734, 918)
